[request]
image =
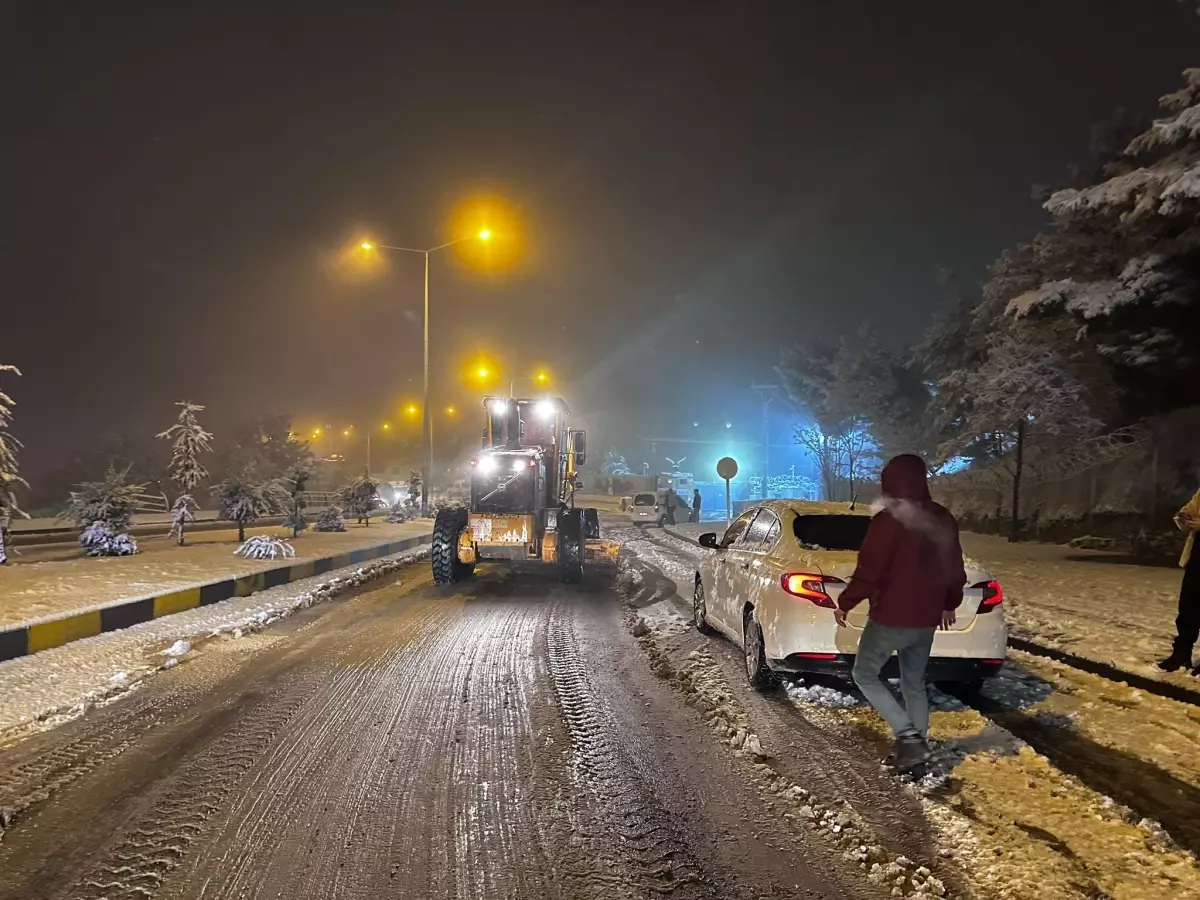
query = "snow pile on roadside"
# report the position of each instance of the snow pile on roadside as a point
(700, 680)
(54, 686)
(822, 695)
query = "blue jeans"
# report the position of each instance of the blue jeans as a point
(875, 648)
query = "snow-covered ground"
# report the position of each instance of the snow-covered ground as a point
(1060, 784)
(35, 590)
(1087, 602)
(47, 688)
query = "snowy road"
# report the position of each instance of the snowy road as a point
(503, 739)
(514, 738)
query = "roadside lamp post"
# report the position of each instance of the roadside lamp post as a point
(427, 419)
(540, 379)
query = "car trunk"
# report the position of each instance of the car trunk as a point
(836, 539)
(857, 617)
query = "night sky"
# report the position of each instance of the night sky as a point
(699, 183)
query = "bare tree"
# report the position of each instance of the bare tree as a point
(1019, 390)
(827, 451)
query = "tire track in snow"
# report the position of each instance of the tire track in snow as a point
(638, 843)
(403, 779)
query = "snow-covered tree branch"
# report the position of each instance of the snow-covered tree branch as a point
(189, 440)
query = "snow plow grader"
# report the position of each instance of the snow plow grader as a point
(522, 506)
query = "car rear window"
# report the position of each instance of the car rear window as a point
(643, 500)
(831, 532)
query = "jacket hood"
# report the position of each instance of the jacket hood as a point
(904, 478)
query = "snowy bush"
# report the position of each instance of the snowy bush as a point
(98, 539)
(265, 547)
(294, 484)
(330, 519)
(244, 499)
(398, 513)
(110, 503)
(360, 498)
(183, 513)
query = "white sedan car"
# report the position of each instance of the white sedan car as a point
(771, 585)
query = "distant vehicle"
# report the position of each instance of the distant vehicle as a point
(644, 509)
(682, 482)
(522, 497)
(772, 583)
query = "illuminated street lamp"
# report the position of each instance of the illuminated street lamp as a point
(541, 379)
(427, 424)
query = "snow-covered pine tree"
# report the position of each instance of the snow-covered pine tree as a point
(294, 484)
(245, 498)
(360, 498)
(10, 478)
(103, 511)
(398, 513)
(414, 487)
(189, 441)
(330, 519)
(183, 513)
(1119, 276)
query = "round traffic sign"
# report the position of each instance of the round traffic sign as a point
(727, 467)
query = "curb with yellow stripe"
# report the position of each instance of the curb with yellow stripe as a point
(26, 639)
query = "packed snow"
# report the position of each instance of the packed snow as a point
(47, 688)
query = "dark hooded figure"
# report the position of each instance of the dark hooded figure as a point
(911, 569)
(672, 503)
(694, 515)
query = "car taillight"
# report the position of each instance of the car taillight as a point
(993, 595)
(810, 587)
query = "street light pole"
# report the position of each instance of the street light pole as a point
(427, 419)
(427, 424)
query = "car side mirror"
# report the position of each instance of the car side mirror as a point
(579, 446)
(709, 540)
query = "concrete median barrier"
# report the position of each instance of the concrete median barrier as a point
(32, 637)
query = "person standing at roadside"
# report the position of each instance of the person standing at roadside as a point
(697, 500)
(911, 570)
(1187, 622)
(672, 503)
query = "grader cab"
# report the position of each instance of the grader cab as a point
(522, 497)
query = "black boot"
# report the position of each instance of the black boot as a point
(1179, 659)
(909, 752)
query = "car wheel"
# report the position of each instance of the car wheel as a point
(700, 609)
(757, 671)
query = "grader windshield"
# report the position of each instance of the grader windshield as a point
(515, 424)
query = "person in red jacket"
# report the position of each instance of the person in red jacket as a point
(911, 569)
